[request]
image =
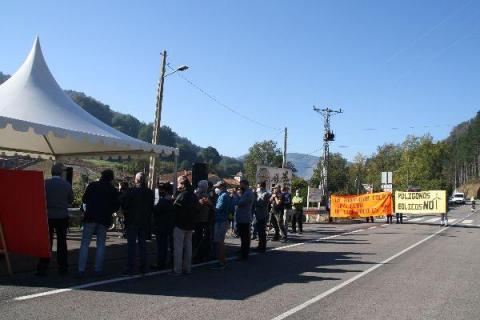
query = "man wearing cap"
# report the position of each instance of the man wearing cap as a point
(59, 196)
(221, 223)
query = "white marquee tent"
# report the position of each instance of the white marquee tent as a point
(38, 119)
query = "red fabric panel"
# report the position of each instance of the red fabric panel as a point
(23, 212)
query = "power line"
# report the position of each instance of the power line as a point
(409, 127)
(308, 154)
(222, 104)
(428, 32)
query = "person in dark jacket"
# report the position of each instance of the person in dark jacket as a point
(59, 196)
(261, 212)
(243, 217)
(202, 234)
(185, 208)
(163, 222)
(101, 201)
(137, 204)
(122, 189)
(287, 196)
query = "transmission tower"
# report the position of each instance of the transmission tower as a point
(327, 138)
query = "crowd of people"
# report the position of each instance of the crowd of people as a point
(189, 224)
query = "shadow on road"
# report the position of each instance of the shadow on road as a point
(242, 280)
(238, 281)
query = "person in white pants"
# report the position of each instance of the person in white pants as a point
(444, 220)
(182, 251)
(185, 209)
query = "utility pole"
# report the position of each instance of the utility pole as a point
(327, 138)
(156, 125)
(284, 163)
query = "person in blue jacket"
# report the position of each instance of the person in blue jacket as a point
(220, 228)
(243, 217)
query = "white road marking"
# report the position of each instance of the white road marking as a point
(467, 221)
(432, 220)
(359, 230)
(119, 279)
(355, 278)
(451, 220)
(417, 219)
(372, 228)
(384, 225)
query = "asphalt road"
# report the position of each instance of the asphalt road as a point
(417, 270)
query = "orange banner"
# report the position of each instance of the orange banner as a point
(365, 205)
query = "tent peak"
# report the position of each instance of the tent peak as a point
(37, 117)
(36, 43)
(33, 69)
(35, 57)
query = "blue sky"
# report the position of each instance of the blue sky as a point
(409, 65)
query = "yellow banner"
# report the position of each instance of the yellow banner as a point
(365, 205)
(425, 202)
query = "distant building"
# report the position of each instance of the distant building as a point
(169, 177)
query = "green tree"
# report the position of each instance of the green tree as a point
(227, 167)
(261, 153)
(337, 174)
(97, 109)
(210, 155)
(145, 132)
(185, 165)
(187, 153)
(357, 173)
(126, 124)
(167, 137)
(464, 152)
(387, 158)
(423, 164)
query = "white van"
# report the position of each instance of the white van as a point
(458, 198)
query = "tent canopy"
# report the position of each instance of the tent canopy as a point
(38, 119)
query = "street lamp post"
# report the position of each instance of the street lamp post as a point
(158, 115)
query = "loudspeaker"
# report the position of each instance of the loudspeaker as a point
(68, 175)
(199, 172)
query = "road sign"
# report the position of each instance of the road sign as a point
(387, 187)
(314, 194)
(387, 177)
(274, 176)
